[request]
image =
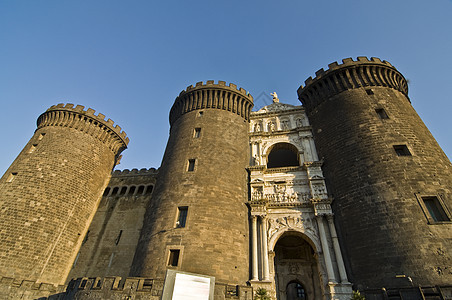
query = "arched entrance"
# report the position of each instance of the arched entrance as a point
(296, 268)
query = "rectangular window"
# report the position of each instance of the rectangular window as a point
(181, 216)
(191, 165)
(197, 133)
(382, 113)
(402, 150)
(369, 92)
(173, 257)
(435, 209)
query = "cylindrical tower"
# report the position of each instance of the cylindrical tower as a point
(197, 220)
(51, 191)
(391, 182)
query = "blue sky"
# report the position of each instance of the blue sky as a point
(130, 59)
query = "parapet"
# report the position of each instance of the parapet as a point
(349, 75)
(212, 95)
(66, 115)
(133, 172)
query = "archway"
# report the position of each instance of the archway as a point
(296, 268)
(283, 155)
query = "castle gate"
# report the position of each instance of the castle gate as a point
(296, 269)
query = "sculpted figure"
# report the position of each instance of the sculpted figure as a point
(275, 97)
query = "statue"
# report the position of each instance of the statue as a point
(275, 97)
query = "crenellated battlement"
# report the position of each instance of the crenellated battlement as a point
(127, 172)
(350, 74)
(139, 287)
(66, 115)
(212, 95)
(222, 84)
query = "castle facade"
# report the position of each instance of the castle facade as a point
(347, 191)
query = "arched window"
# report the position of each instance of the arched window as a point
(283, 155)
(132, 190)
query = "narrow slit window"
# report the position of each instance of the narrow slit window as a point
(402, 150)
(435, 209)
(191, 165)
(118, 238)
(200, 113)
(197, 133)
(181, 216)
(41, 136)
(381, 113)
(173, 257)
(369, 92)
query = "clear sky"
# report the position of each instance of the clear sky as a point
(130, 59)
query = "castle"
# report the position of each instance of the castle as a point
(347, 191)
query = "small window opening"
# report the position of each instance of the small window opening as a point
(83, 284)
(147, 284)
(402, 150)
(123, 191)
(382, 113)
(197, 133)
(140, 190)
(174, 257)
(11, 177)
(191, 165)
(76, 259)
(435, 209)
(98, 284)
(41, 136)
(107, 190)
(149, 189)
(181, 216)
(200, 113)
(369, 92)
(115, 191)
(32, 148)
(85, 239)
(132, 190)
(232, 290)
(118, 238)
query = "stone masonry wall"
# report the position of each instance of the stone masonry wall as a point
(51, 191)
(383, 228)
(110, 242)
(214, 240)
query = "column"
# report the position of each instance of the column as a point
(254, 262)
(337, 250)
(265, 248)
(326, 249)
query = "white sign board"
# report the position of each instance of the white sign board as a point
(187, 287)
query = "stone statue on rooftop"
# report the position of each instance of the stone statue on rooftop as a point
(275, 97)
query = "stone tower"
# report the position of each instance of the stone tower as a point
(390, 180)
(51, 191)
(198, 219)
